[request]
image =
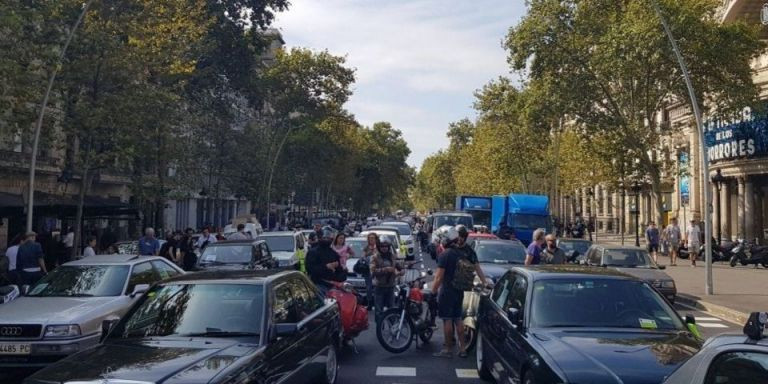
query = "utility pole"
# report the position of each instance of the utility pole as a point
(704, 156)
(41, 117)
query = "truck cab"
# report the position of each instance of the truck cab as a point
(523, 213)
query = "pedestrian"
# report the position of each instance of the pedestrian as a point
(345, 251)
(148, 244)
(90, 249)
(385, 270)
(318, 228)
(312, 241)
(504, 232)
(205, 239)
(13, 251)
(456, 268)
(240, 234)
(69, 244)
(533, 253)
(672, 236)
(323, 265)
(369, 252)
(652, 239)
(30, 262)
(693, 241)
(187, 251)
(551, 254)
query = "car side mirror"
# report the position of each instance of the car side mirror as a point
(106, 327)
(690, 323)
(139, 289)
(689, 319)
(515, 317)
(286, 329)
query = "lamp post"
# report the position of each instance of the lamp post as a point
(718, 179)
(591, 197)
(566, 211)
(622, 225)
(636, 192)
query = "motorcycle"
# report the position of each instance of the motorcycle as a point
(749, 254)
(354, 316)
(469, 314)
(719, 252)
(409, 320)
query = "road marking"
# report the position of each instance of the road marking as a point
(707, 319)
(396, 371)
(711, 325)
(467, 374)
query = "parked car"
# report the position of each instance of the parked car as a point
(237, 254)
(215, 327)
(729, 358)
(634, 261)
(572, 324)
(287, 247)
(575, 249)
(497, 256)
(406, 235)
(393, 237)
(405, 247)
(63, 312)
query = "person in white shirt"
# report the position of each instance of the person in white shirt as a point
(206, 239)
(13, 251)
(240, 234)
(90, 250)
(692, 241)
(69, 244)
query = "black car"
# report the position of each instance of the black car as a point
(729, 358)
(574, 324)
(575, 249)
(237, 254)
(497, 256)
(633, 261)
(215, 327)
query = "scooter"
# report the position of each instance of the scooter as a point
(749, 254)
(354, 316)
(469, 314)
(409, 320)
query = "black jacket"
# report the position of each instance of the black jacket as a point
(317, 258)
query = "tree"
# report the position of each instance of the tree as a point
(612, 68)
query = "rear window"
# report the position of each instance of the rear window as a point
(453, 220)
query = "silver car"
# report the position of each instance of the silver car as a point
(63, 313)
(287, 247)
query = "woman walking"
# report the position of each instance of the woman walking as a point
(385, 271)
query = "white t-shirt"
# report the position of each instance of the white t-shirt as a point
(69, 240)
(89, 252)
(693, 234)
(202, 239)
(11, 253)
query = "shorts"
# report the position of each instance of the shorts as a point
(450, 304)
(653, 247)
(674, 247)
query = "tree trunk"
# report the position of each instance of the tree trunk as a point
(79, 215)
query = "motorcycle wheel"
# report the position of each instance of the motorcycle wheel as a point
(387, 331)
(733, 261)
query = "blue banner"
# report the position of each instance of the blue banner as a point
(685, 179)
(744, 137)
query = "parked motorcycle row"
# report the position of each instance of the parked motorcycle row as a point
(739, 252)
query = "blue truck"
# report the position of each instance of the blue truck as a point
(523, 213)
(477, 206)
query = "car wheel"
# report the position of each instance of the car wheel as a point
(331, 370)
(482, 369)
(528, 378)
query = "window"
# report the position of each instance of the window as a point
(501, 290)
(164, 269)
(284, 306)
(142, 274)
(738, 367)
(264, 250)
(516, 298)
(311, 300)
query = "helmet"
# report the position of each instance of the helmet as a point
(384, 241)
(463, 232)
(328, 232)
(450, 236)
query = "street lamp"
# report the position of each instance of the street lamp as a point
(636, 192)
(718, 179)
(622, 225)
(591, 195)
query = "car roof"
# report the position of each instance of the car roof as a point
(279, 233)
(381, 227)
(122, 259)
(232, 277)
(234, 242)
(390, 222)
(498, 241)
(735, 339)
(357, 238)
(545, 272)
(619, 247)
(384, 231)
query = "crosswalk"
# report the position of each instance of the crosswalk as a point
(710, 322)
(411, 372)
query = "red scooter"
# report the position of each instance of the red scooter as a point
(354, 317)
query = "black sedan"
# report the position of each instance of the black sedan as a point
(237, 255)
(215, 327)
(572, 324)
(575, 249)
(497, 256)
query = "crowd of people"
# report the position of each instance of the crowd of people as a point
(671, 239)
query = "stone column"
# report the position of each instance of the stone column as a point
(725, 209)
(749, 209)
(740, 210)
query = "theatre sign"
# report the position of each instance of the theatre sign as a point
(744, 137)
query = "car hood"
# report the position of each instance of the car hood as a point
(616, 356)
(647, 274)
(181, 360)
(58, 310)
(224, 267)
(282, 255)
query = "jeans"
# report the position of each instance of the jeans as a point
(369, 290)
(383, 297)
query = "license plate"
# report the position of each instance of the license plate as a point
(15, 349)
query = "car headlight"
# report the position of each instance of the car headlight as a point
(54, 331)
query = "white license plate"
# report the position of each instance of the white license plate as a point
(15, 349)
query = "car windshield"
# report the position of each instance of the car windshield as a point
(481, 217)
(188, 310)
(613, 303)
(82, 281)
(579, 246)
(403, 228)
(226, 254)
(627, 258)
(453, 220)
(500, 252)
(521, 221)
(357, 245)
(280, 243)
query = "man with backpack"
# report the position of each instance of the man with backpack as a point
(456, 269)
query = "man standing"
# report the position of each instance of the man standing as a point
(672, 237)
(69, 245)
(148, 244)
(533, 254)
(692, 241)
(30, 261)
(450, 299)
(240, 234)
(652, 238)
(323, 263)
(551, 253)
(205, 239)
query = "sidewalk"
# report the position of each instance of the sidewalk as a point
(737, 291)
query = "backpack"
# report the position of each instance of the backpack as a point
(464, 276)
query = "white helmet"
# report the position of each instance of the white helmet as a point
(450, 236)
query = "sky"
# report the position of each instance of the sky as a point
(418, 62)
